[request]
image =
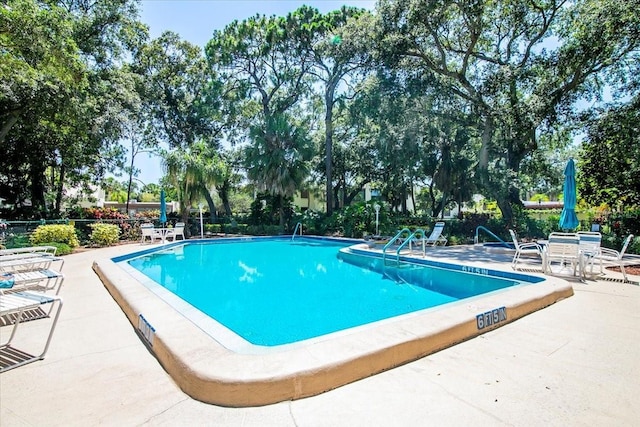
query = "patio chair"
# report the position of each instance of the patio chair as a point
(436, 237)
(531, 248)
(613, 257)
(563, 247)
(149, 233)
(15, 304)
(589, 248)
(178, 230)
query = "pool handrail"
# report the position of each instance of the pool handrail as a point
(392, 241)
(480, 227)
(295, 230)
(409, 241)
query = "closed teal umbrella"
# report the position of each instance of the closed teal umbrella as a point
(163, 208)
(568, 218)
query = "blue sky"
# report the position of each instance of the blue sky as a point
(195, 21)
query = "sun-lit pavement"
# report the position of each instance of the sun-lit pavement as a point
(576, 362)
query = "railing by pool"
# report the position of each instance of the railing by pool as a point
(480, 227)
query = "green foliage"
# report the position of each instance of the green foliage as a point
(104, 234)
(55, 233)
(17, 241)
(61, 110)
(359, 219)
(263, 230)
(609, 167)
(213, 228)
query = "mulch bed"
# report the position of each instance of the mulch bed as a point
(634, 270)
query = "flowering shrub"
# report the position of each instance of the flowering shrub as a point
(105, 213)
(149, 214)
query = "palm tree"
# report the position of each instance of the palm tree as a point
(278, 160)
(194, 171)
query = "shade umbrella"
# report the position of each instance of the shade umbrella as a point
(568, 218)
(163, 208)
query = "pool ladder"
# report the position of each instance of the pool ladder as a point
(412, 236)
(298, 225)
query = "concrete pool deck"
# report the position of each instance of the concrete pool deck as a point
(575, 362)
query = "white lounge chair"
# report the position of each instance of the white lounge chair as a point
(531, 248)
(436, 237)
(563, 247)
(613, 257)
(49, 250)
(14, 305)
(29, 261)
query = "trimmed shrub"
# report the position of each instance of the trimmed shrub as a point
(55, 233)
(212, 228)
(104, 234)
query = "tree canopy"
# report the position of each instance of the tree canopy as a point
(451, 98)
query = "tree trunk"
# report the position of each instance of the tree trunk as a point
(130, 181)
(223, 192)
(60, 189)
(11, 120)
(403, 197)
(281, 212)
(328, 140)
(212, 207)
(483, 154)
(38, 200)
(355, 192)
(413, 198)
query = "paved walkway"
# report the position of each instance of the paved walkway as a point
(574, 363)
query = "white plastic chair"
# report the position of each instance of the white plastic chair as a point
(615, 258)
(563, 247)
(531, 248)
(178, 230)
(590, 242)
(148, 233)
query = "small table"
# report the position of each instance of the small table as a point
(163, 232)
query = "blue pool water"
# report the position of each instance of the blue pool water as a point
(274, 291)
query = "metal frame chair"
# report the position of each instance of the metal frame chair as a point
(15, 304)
(613, 257)
(529, 248)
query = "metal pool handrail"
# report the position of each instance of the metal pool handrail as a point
(480, 227)
(390, 242)
(409, 241)
(295, 230)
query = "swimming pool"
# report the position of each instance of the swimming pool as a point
(210, 363)
(277, 291)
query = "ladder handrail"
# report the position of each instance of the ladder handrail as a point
(480, 227)
(390, 242)
(296, 229)
(409, 241)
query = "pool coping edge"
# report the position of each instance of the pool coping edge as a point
(209, 372)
